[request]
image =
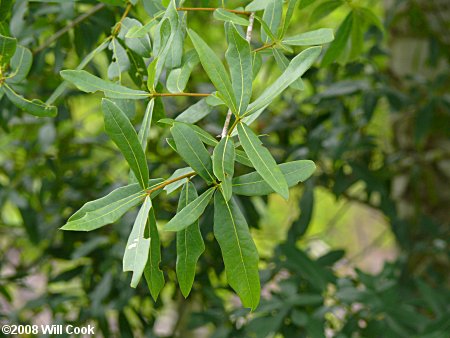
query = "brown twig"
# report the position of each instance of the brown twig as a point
(124, 15)
(210, 9)
(248, 37)
(165, 183)
(264, 47)
(64, 30)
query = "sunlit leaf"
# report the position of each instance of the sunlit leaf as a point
(223, 165)
(34, 107)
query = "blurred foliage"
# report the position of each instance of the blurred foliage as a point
(376, 120)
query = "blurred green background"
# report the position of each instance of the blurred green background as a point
(360, 250)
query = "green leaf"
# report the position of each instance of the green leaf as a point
(140, 45)
(283, 62)
(5, 9)
(120, 61)
(137, 249)
(20, 65)
(297, 67)
(262, 160)
(253, 184)
(223, 165)
(224, 15)
(357, 35)
(89, 83)
(189, 244)
(195, 112)
(192, 150)
(257, 5)
(323, 10)
(242, 158)
(178, 78)
(121, 131)
(34, 107)
(287, 19)
(153, 275)
(338, 45)
(139, 32)
(176, 174)
(238, 250)
(272, 17)
(151, 75)
(190, 212)
(144, 131)
(239, 58)
(109, 208)
(7, 49)
(215, 70)
(266, 29)
(317, 37)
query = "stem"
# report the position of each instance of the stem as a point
(211, 9)
(264, 47)
(162, 185)
(234, 126)
(64, 30)
(248, 37)
(124, 15)
(179, 94)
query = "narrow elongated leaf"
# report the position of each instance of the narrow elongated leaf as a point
(178, 78)
(153, 274)
(262, 160)
(140, 32)
(195, 112)
(176, 174)
(287, 19)
(105, 210)
(283, 62)
(338, 45)
(253, 184)
(239, 58)
(272, 17)
(140, 45)
(192, 150)
(120, 62)
(190, 213)
(324, 9)
(257, 5)
(317, 37)
(165, 35)
(189, 244)
(223, 15)
(297, 67)
(242, 158)
(223, 165)
(34, 107)
(215, 70)
(137, 249)
(7, 49)
(89, 83)
(238, 250)
(20, 65)
(121, 131)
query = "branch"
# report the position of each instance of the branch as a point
(64, 30)
(210, 9)
(124, 15)
(165, 183)
(264, 47)
(248, 37)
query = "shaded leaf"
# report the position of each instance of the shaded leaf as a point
(272, 17)
(324, 9)
(283, 62)
(141, 45)
(215, 70)
(20, 65)
(7, 49)
(238, 250)
(192, 150)
(120, 62)
(189, 244)
(195, 112)
(253, 184)
(287, 19)
(262, 160)
(223, 165)
(121, 131)
(176, 174)
(338, 45)
(190, 212)
(178, 78)
(153, 274)
(239, 60)
(89, 83)
(34, 107)
(297, 67)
